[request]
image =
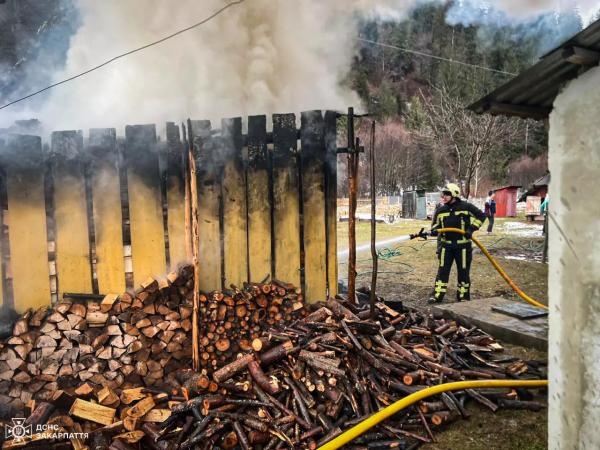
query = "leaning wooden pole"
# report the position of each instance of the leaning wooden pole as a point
(352, 192)
(195, 247)
(189, 251)
(373, 223)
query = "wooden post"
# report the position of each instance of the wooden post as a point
(373, 223)
(209, 172)
(352, 192)
(175, 196)
(22, 158)
(107, 212)
(189, 251)
(145, 202)
(195, 247)
(286, 208)
(331, 201)
(259, 200)
(73, 263)
(233, 195)
(313, 156)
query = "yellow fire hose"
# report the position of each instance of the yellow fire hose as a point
(510, 282)
(394, 408)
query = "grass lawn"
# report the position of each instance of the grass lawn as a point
(407, 270)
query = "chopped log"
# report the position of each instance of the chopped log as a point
(269, 385)
(157, 415)
(276, 353)
(84, 390)
(107, 397)
(41, 414)
(92, 411)
(441, 417)
(141, 408)
(131, 437)
(21, 327)
(232, 368)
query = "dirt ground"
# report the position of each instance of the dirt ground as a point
(407, 272)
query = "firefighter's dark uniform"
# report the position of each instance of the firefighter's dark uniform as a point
(455, 247)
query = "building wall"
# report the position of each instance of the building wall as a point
(574, 272)
(506, 202)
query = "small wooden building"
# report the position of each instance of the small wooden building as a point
(539, 188)
(506, 201)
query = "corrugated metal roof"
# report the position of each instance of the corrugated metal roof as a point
(531, 94)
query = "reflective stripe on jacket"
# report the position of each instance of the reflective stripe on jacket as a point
(459, 214)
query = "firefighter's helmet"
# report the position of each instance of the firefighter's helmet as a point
(453, 189)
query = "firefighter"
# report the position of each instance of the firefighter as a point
(454, 247)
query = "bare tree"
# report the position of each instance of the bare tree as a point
(461, 139)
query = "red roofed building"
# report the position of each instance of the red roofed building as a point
(506, 201)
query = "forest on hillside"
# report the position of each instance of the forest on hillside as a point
(424, 135)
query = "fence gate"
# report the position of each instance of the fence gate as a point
(99, 214)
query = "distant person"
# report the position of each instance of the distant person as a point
(490, 210)
(544, 211)
(454, 247)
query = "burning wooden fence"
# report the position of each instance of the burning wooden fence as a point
(101, 215)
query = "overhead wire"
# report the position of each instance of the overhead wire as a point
(440, 58)
(122, 55)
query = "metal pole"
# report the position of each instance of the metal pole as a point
(373, 223)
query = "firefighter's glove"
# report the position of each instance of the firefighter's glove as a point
(469, 233)
(433, 232)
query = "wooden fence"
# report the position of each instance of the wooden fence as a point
(101, 215)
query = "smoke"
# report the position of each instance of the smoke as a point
(548, 22)
(259, 57)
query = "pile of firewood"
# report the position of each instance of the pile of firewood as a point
(306, 383)
(296, 385)
(230, 320)
(136, 338)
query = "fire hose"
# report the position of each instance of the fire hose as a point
(403, 403)
(398, 406)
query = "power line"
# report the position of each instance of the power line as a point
(429, 55)
(202, 22)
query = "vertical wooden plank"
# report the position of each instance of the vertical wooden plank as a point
(145, 202)
(235, 231)
(108, 217)
(331, 200)
(175, 196)
(22, 157)
(209, 190)
(73, 264)
(5, 299)
(286, 212)
(259, 202)
(312, 156)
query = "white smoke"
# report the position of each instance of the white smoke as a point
(261, 56)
